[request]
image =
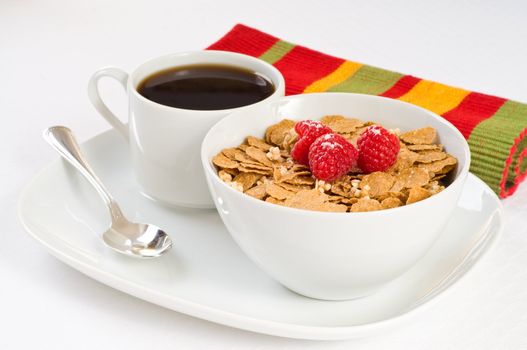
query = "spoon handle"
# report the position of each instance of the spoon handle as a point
(62, 140)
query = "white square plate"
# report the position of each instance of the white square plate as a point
(207, 276)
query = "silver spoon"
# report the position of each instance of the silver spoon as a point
(123, 236)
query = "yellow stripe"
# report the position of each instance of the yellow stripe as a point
(435, 97)
(343, 72)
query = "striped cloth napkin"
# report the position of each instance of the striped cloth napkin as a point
(495, 128)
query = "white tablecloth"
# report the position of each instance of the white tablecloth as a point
(48, 49)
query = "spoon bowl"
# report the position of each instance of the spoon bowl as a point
(138, 240)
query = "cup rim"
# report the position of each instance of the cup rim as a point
(279, 82)
(212, 175)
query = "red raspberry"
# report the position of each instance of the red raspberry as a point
(308, 131)
(331, 156)
(378, 149)
(307, 127)
(300, 151)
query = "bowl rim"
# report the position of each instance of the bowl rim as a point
(212, 175)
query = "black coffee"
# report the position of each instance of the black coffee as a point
(206, 87)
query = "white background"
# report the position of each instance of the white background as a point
(48, 49)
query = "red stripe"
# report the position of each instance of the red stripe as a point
(402, 86)
(474, 109)
(302, 66)
(245, 40)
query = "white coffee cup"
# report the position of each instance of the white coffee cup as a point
(165, 141)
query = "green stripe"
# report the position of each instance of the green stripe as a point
(521, 146)
(368, 80)
(277, 51)
(491, 141)
(515, 159)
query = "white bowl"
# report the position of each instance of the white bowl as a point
(332, 256)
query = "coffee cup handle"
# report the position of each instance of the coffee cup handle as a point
(93, 93)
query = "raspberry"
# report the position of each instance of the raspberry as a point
(378, 149)
(308, 127)
(300, 151)
(331, 156)
(308, 131)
